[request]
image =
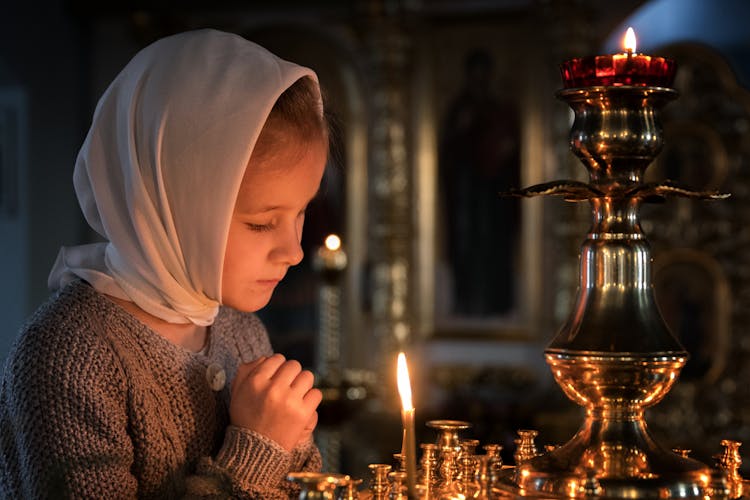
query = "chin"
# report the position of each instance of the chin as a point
(248, 305)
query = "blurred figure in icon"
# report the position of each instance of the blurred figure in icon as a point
(479, 156)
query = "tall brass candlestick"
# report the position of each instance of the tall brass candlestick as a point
(408, 446)
(330, 261)
(615, 355)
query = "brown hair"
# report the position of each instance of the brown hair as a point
(297, 117)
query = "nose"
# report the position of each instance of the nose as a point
(289, 248)
(296, 253)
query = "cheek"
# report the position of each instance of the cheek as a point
(229, 264)
(244, 253)
(229, 250)
(232, 256)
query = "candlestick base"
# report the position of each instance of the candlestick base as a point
(630, 465)
(613, 454)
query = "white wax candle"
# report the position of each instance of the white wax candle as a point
(409, 450)
(409, 444)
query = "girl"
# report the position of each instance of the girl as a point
(146, 375)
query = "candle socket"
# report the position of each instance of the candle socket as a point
(318, 485)
(379, 484)
(448, 433)
(398, 486)
(618, 70)
(350, 490)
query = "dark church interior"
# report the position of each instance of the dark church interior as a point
(441, 107)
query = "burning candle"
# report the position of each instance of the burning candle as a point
(330, 257)
(626, 68)
(408, 446)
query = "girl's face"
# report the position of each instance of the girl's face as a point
(266, 227)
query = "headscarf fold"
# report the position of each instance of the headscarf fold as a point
(159, 171)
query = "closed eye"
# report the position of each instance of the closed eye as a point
(260, 228)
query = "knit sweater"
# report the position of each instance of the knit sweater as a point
(94, 404)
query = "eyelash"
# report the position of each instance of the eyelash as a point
(260, 228)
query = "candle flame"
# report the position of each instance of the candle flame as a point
(404, 385)
(333, 242)
(629, 41)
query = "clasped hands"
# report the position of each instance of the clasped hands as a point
(275, 397)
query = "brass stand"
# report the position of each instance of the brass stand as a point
(615, 355)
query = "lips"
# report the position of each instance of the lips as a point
(269, 282)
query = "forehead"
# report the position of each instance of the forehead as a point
(289, 177)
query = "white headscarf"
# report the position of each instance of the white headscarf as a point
(160, 169)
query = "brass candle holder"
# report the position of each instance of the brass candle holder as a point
(615, 355)
(318, 485)
(449, 472)
(380, 486)
(448, 433)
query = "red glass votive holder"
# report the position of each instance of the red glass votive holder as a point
(618, 69)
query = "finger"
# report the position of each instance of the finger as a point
(258, 370)
(256, 362)
(246, 368)
(312, 398)
(268, 367)
(287, 372)
(250, 366)
(303, 382)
